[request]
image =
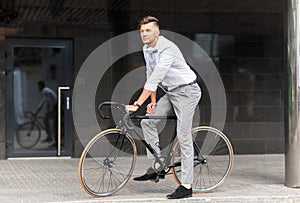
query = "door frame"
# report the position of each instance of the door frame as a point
(10, 43)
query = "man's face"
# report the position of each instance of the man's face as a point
(149, 33)
(40, 87)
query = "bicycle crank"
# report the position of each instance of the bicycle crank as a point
(155, 180)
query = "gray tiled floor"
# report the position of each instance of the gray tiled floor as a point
(255, 178)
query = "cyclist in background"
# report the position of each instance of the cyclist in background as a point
(49, 103)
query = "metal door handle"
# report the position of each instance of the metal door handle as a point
(68, 103)
(59, 116)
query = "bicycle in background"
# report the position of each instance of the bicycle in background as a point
(28, 134)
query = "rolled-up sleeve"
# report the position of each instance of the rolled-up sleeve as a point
(165, 60)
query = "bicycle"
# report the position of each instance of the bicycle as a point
(107, 162)
(28, 134)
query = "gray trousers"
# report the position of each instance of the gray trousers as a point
(182, 102)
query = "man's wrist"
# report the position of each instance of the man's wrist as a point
(137, 104)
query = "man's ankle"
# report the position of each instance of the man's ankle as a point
(187, 186)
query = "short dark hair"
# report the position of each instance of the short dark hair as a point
(41, 84)
(148, 19)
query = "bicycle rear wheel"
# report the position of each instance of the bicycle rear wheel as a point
(107, 162)
(28, 135)
(213, 159)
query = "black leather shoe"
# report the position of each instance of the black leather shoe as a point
(181, 192)
(151, 174)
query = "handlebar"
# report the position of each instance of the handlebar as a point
(129, 115)
(29, 114)
(152, 117)
(109, 103)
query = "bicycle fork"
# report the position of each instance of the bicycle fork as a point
(109, 161)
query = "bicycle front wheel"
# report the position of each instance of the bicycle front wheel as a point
(213, 159)
(107, 162)
(28, 135)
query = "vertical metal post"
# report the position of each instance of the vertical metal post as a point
(59, 117)
(292, 125)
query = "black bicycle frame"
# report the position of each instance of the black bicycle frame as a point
(125, 127)
(148, 146)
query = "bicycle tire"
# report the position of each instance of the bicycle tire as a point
(28, 135)
(212, 171)
(107, 162)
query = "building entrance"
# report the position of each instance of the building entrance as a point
(38, 97)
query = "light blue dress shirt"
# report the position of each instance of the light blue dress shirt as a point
(49, 99)
(165, 64)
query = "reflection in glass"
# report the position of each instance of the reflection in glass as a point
(35, 106)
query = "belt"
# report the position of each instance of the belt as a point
(183, 85)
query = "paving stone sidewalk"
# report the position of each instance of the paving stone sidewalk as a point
(255, 178)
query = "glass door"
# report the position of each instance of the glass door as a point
(36, 70)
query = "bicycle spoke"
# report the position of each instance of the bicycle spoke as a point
(220, 147)
(102, 181)
(213, 159)
(111, 158)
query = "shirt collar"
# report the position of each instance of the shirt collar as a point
(153, 50)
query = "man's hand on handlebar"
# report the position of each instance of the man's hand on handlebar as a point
(131, 108)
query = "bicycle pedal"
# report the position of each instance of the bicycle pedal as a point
(155, 180)
(161, 176)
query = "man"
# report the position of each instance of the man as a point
(49, 102)
(166, 66)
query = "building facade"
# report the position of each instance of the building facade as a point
(50, 41)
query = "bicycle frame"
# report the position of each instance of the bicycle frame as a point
(35, 119)
(163, 164)
(126, 127)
